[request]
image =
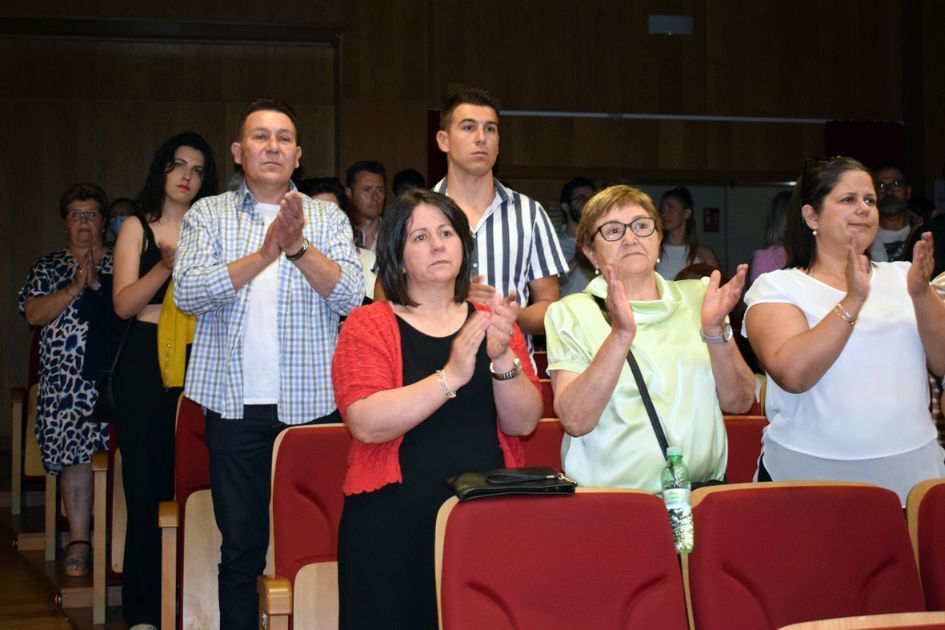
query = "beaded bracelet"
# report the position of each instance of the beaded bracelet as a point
(844, 314)
(441, 379)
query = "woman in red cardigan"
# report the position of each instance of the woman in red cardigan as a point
(430, 386)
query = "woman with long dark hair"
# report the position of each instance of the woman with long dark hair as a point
(182, 171)
(846, 343)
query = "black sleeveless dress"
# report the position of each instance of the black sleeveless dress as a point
(385, 543)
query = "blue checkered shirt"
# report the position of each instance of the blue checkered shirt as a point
(218, 230)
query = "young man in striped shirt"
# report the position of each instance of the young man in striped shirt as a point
(515, 245)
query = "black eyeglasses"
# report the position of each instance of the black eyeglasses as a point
(896, 184)
(89, 215)
(580, 198)
(640, 226)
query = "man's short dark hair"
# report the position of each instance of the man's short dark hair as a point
(319, 185)
(407, 179)
(392, 238)
(573, 184)
(371, 166)
(469, 96)
(83, 191)
(268, 104)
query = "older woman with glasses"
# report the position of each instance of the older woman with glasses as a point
(680, 339)
(846, 343)
(67, 295)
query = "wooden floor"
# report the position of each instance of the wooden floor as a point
(29, 585)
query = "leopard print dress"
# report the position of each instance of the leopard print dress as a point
(64, 427)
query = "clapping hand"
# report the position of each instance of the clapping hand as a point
(923, 264)
(857, 273)
(460, 366)
(168, 254)
(720, 300)
(290, 221)
(504, 314)
(91, 272)
(480, 293)
(618, 304)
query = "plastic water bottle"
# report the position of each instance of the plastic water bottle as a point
(675, 482)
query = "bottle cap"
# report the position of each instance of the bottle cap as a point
(673, 450)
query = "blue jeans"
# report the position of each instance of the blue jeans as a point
(240, 467)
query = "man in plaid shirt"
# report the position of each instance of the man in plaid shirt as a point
(268, 272)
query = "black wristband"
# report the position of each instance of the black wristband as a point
(300, 253)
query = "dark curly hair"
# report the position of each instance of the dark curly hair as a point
(151, 198)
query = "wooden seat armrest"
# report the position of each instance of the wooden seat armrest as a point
(275, 595)
(18, 395)
(99, 461)
(168, 514)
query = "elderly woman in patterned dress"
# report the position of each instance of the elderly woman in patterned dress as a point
(60, 292)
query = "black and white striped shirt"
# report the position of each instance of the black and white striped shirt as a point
(514, 243)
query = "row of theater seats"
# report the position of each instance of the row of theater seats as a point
(309, 463)
(766, 554)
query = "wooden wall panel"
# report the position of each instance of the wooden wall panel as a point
(86, 110)
(312, 12)
(803, 58)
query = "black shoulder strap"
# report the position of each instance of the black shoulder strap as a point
(149, 241)
(641, 386)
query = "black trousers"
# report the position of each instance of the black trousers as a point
(146, 412)
(240, 467)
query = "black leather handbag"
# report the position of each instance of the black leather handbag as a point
(501, 481)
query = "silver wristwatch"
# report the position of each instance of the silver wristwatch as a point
(725, 336)
(510, 374)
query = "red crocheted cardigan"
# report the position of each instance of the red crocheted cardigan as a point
(367, 360)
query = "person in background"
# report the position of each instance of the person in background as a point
(52, 298)
(430, 386)
(324, 189)
(574, 194)
(182, 170)
(679, 334)
(268, 272)
(846, 343)
(120, 209)
(407, 179)
(365, 187)
(680, 247)
(893, 192)
(515, 247)
(773, 255)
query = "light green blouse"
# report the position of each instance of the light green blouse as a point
(622, 450)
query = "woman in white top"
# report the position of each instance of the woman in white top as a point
(680, 246)
(846, 344)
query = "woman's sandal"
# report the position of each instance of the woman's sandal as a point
(78, 565)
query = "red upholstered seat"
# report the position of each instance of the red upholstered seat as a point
(548, 399)
(744, 446)
(926, 513)
(190, 538)
(595, 559)
(309, 466)
(192, 457)
(541, 363)
(543, 446)
(772, 554)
